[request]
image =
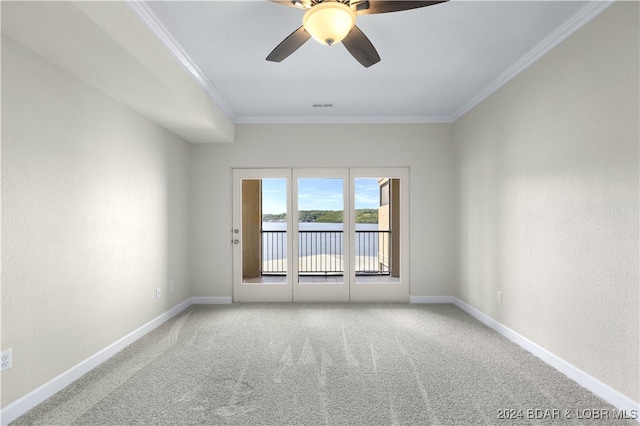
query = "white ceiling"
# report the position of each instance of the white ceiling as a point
(437, 62)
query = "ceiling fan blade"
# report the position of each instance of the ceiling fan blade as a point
(360, 47)
(358, 5)
(383, 6)
(299, 4)
(289, 45)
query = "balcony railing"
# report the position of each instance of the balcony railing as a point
(321, 252)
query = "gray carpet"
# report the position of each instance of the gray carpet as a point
(320, 364)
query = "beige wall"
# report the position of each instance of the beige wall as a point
(548, 201)
(425, 148)
(94, 218)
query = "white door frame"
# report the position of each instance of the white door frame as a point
(252, 292)
(322, 292)
(382, 290)
(350, 289)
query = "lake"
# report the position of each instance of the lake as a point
(315, 226)
(320, 238)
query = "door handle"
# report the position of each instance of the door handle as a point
(236, 241)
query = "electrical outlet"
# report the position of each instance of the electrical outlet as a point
(172, 285)
(499, 297)
(158, 293)
(6, 360)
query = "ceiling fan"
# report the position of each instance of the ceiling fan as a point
(332, 21)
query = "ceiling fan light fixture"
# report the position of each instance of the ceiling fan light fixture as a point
(329, 22)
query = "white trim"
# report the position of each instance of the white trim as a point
(17, 408)
(343, 120)
(211, 300)
(584, 379)
(431, 299)
(149, 18)
(35, 397)
(604, 391)
(571, 25)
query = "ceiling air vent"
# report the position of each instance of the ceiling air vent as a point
(322, 104)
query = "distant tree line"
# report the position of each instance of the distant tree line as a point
(366, 215)
(325, 216)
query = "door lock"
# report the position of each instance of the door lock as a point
(236, 241)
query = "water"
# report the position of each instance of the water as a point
(315, 226)
(329, 241)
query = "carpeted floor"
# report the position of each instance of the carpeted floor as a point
(321, 364)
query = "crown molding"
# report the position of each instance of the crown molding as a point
(571, 25)
(342, 120)
(159, 30)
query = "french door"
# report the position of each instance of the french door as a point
(253, 254)
(320, 234)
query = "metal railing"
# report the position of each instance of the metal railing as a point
(373, 251)
(320, 252)
(274, 252)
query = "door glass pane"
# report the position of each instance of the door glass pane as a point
(377, 229)
(320, 226)
(264, 231)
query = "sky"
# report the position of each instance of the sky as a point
(319, 194)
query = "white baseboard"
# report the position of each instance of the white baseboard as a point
(20, 406)
(211, 300)
(17, 408)
(35, 397)
(604, 391)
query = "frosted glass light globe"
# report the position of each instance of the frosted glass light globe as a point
(329, 22)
